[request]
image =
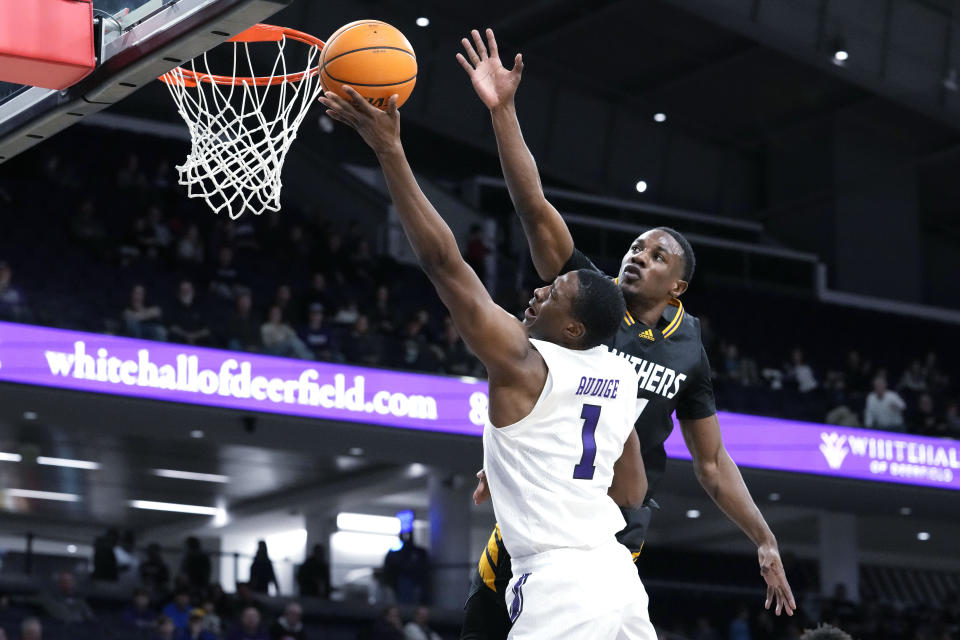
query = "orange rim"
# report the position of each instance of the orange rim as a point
(256, 33)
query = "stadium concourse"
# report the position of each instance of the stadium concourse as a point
(816, 189)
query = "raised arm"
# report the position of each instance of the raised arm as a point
(497, 338)
(551, 244)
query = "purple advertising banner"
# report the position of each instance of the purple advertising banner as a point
(865, 454)
(210, 377)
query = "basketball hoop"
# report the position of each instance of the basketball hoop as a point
(241, 127)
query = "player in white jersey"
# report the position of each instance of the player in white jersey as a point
(560, 431)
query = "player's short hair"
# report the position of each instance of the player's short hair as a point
(689, 259)
(825, 632)
(599, 306)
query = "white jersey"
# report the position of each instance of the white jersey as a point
(549, 473)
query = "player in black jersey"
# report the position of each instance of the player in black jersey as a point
(654, 273)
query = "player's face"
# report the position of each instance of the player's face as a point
(550, 314)
(652, 268)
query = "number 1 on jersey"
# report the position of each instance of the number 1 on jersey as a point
(591, 416)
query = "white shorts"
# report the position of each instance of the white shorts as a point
(592, 594)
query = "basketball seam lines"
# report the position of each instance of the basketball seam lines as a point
(340, 55)
(362, 84)
(323, 55)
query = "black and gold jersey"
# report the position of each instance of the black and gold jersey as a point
(674, 377)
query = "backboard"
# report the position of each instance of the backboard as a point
(136, 41)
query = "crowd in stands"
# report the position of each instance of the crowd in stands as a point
(301, 286)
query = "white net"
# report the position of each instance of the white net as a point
(241, 132)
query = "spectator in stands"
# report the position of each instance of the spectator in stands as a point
(317, 292)
(388, 626)
(187, 323)
(244, 598)
(12, 303)
(937, 380)
(839, 609)
(31, 629)
(141, 320)
(158, 229)
(913, 380)
(839, 402)
(261, 571)
(383, 317)
(347, 312)
(225, 276)
(800, 373)
(190, 248)
(415, 351)
(138, 615)
(289, 626)
(884, 407)
(242, 331)
(456, 358)
(211, 620)
(128, 564)
(740, 625)
(165, 629)
(279, 338)
(317, 336)
(249, 628)
(857, 373)
(87, 229)
(195, 565)
(419, 627)
(195, 629)
(154, 573)
(283, 298)
(923, 419)
(825, 632)
(178, 609)
(64, 604)
(105, 558)
(360, 346)
(313, 576)
(407, 571)
(737, 368)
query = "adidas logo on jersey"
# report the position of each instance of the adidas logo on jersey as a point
(647, 335)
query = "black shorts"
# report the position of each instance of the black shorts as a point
(485, 616)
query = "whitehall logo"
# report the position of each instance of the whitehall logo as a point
(834, 449)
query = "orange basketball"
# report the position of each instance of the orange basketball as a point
(372, 57)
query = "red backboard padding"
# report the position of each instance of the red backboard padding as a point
(46, 43)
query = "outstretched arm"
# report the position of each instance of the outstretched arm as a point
(721, 479)
(551, 244)
(497, 338)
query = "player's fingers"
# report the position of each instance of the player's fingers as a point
(517, 64)
(336, 102)
(466, 65)
(770, 595)
(481, 474)
(471, 54)
(356, 99)
(492, 44)
(392, 105)
(477, 40)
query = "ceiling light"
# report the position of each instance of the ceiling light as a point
(67, 462)
(174, 507)
(196, 433)
(641, 186)
(355, 451)
(423, 21)
(29, 415)
(659, 117)
(774, 497)
(905, 511)
(693, 513)
(190, 475)
(10, 457)
(41, 495)
(415, 470)
(923, 536)
(365, 523)
(71, 548)
(840, 57)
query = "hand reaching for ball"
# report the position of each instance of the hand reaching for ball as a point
(379, 129)
(494, 84)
